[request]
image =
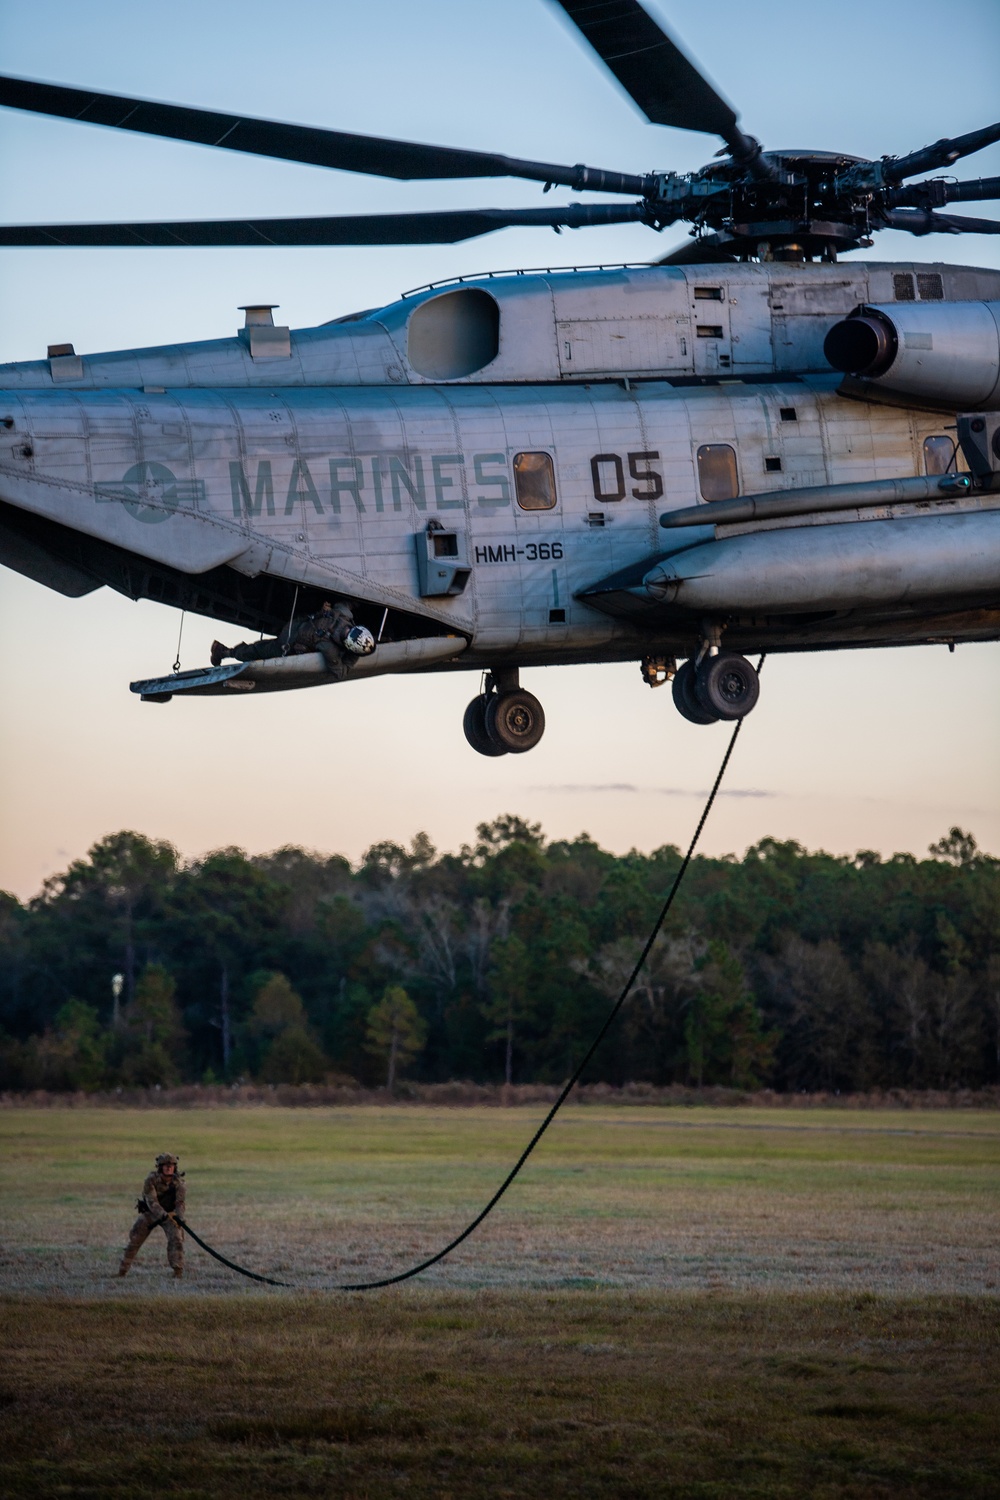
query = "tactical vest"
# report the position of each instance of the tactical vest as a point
(167, 1197)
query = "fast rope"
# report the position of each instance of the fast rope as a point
(253, 1275)
(432, 1260)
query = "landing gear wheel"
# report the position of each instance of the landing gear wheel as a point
(726, 686)
(685, 701)
(515, 720)
(474, 724)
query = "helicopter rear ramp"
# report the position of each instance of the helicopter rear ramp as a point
(283, 673)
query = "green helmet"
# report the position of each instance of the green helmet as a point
(161, 1161)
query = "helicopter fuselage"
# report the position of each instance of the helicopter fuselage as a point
(473, 461)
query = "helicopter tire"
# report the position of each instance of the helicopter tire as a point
(685, 699)
(726, 685)
(474, 725)
(515, 720)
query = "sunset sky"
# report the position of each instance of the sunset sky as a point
(880, 750)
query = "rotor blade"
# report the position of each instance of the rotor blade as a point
(653, 70)
(922, 221)
(709, 249)
(371, 154)
(941, 154)
(445, 228)
(980, 189)
(936, 192)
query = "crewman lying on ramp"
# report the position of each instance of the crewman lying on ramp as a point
(331, 631)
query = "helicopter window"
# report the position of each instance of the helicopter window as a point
(534, 481)
(939, 455)
(930, 286)
(902, 287)
(789, 414)
(717, 477)
(454, 335)
(708, 294)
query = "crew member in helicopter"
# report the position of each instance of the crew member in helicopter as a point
(162, 1197)
(331, 631)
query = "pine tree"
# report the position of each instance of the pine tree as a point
(278, 1022)
(396, 1031)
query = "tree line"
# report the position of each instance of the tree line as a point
(786, 968)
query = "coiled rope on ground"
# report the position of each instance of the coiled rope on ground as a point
(473, 1225)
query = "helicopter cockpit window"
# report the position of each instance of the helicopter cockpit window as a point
(534, 481)
(939, 455)
(717, 477)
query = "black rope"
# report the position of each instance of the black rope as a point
(230, 1263)
(432, 1260)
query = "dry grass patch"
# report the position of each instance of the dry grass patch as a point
(500, 1393)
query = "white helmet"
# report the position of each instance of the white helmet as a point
(360, 640)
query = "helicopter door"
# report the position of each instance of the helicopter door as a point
(641, 330)
(713, 354)
(593, 346)
(751, 315)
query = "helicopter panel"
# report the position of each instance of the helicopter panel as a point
(802, 314)
(793, 448)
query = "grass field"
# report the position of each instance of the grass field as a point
(670, 1302)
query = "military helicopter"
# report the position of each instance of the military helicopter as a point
(748, 445)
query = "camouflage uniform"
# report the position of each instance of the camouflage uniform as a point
(325, 632)
(161, 1195)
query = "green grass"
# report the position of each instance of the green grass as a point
(690, 1302)
(632, 1197)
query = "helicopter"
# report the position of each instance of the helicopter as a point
(748, 445)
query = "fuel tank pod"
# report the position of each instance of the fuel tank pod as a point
(945, 355)
(870, 564)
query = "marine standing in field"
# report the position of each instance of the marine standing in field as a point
(162, 1196)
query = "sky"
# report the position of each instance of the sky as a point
(879, 750)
